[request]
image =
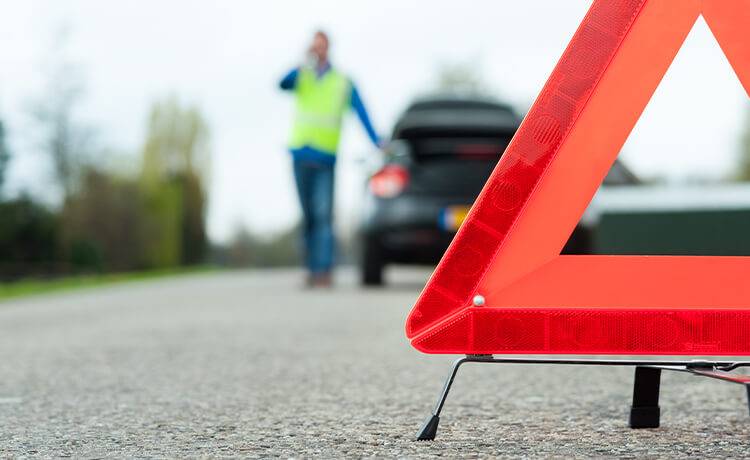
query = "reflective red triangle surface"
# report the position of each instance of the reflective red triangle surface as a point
(507, 253)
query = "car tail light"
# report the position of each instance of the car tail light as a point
(390, 181)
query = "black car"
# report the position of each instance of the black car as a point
(443, 150)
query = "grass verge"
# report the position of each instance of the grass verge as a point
(34, 286)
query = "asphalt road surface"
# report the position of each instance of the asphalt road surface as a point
(248, 364)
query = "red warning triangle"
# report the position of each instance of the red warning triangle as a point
(503, 287)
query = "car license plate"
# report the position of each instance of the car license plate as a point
(452, 217)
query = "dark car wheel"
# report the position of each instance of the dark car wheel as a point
(372, 264)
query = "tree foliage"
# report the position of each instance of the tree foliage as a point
(175, 164)
(107, 220)
(29, 239)
(102, 224)
(4, 155)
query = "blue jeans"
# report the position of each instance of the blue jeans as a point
(315, 189)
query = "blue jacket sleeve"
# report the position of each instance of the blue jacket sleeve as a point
(289, 82)
(359, 107)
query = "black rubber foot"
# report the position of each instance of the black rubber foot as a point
(429, 429)
(644, 417)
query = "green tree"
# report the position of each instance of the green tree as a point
(4, 155)
(28, 239)
(102, 224)
(175, 165)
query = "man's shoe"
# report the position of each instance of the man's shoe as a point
(322, 280)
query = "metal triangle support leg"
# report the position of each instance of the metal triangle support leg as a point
(645, 412)
(430, 425)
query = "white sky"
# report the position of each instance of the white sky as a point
(226, 56)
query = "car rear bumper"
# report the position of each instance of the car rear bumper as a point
(410, 229)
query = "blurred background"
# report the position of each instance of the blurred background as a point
(150, 136)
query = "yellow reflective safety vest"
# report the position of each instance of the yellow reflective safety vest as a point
(321, 104)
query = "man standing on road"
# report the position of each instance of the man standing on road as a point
(323, 95)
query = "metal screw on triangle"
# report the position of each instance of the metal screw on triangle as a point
(478, 300)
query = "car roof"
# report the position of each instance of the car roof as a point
(449, 113)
